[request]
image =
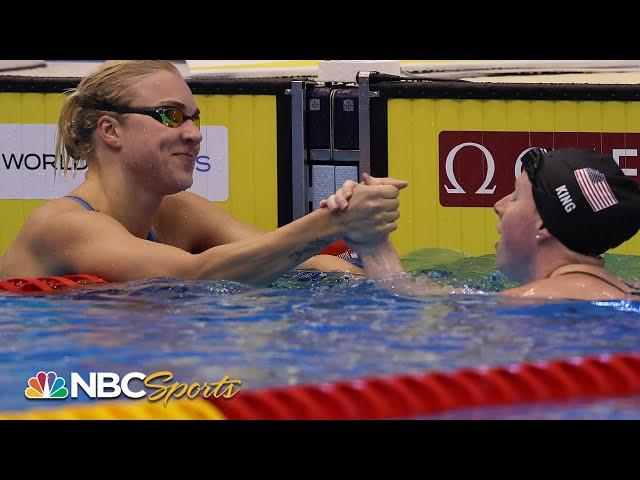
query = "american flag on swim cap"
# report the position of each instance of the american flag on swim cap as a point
(595, 188)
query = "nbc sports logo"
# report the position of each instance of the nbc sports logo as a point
(111, 385)
(46, 385)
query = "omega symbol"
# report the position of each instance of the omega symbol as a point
(491, 168)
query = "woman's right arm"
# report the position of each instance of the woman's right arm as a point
(379, 259)
(90, 242)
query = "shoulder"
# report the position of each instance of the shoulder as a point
(50, 214)
(60, 219)
(51, 235)
(184, 219)
(186, 203)
(185, 199)
(577, 286)
(537, 289)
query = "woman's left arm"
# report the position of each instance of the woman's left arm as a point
(197, 224)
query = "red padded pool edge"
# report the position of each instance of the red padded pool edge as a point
(47, 284)
(408, 396)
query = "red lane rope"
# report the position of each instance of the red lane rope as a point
(413, 395)
(47, 284)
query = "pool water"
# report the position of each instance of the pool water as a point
(310, 327)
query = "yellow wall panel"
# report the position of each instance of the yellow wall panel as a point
(265, 165)
(589, 117)
(11, 108)
(519, 115)
(414, 129)
(448, 218)
(472, 219)
(566, 116)
(32, 107)
(632, 124)
(241, 174)
(613, 116)
(401, 153)
(424, 173)
(52, 106)
(542, 116)
(12, 218)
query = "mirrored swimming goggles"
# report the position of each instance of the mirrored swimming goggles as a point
(171, 117)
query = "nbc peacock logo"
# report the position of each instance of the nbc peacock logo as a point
(46, 385)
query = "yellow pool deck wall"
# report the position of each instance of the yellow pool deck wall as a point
(251, 124)
(414, 126)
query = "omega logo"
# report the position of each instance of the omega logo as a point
(491, 168)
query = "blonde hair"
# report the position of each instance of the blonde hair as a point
(110, 85)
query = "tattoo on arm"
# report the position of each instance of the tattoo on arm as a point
(309, 250)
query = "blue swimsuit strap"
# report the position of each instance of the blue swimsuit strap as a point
(151, 237)
(81, 202)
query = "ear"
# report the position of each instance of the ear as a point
(108, 129)
(543, 233)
